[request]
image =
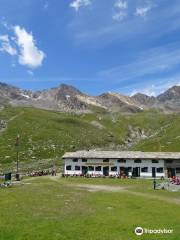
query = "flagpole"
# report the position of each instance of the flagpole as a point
(17, 162)
(17, 153)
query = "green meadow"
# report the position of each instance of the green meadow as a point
(55, 208)
(46, 208)
(46, 135)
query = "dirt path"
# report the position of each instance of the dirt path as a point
(55, 178)
(109, 188)
(95, 188)
(125, 189)
(11, 119)
(16, 116)
(156, 197)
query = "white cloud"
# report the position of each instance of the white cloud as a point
(157, 88)
(4, 38)
(76, 4)
(29, 55)
(148, 90)
(5, 25)
(21, 44)
(119, 16)
(120, 10)
(142, 11)
(121, 4)
(6, 45)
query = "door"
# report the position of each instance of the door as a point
(171, 172)
(84, 170)
(153, 172)
(122, 171)
(136, 172)
(126, 171)
(106, 171)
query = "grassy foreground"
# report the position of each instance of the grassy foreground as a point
(57, 209)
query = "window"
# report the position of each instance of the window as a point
(121, 161)
(137, 161)
(98, 169)
(155, 161)
(84, 160)
(68, 167)
(160, 170)
(77, 168)
(177, 170)
(75, 160)
(91, 168)
(114, 169)
(129, 169)
(106, 160)
(169, 161)
(144, 169)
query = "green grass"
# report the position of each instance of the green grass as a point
(47, 135)
(58, 210)
(166, 140)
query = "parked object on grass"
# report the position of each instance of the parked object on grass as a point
(7, 176)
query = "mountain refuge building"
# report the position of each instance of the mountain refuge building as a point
(122, 164)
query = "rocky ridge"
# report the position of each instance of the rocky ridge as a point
(67, 98)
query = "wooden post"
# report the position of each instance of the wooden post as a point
(17, 153)
(17, 164)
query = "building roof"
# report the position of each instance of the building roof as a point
(122, 155)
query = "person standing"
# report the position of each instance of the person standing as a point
(154, 184)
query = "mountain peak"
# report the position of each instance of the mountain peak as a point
(68, 98)
(68, 89)
(172, 93)
(144, 99)
(138, 94)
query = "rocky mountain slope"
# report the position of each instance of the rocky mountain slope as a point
(63, 98)
(116, 102)
(66, 98)
(170, 95)
(144, 100)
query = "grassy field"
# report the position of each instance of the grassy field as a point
(58, 209)
(168, 138)
(46, 135)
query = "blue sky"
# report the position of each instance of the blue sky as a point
(125, 46)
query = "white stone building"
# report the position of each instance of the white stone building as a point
(125, 164)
